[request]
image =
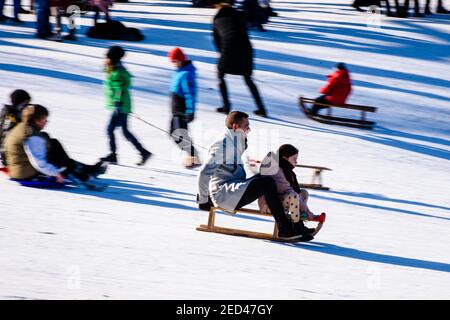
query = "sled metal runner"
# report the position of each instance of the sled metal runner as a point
(361, 123)
(211, 227)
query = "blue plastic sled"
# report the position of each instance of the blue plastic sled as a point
(47, 183)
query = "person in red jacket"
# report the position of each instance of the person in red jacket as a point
(336, 90)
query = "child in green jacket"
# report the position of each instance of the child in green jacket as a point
(117, 85)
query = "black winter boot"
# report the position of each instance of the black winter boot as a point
(225, 110)
(145, 156)
(111, 158)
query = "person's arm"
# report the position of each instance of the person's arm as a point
(119, 83)
(36, 150)
(217, 39)
(189, 95)
(215, 155)
(331, 85)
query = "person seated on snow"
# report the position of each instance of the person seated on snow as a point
(33, 156)
(10, 116)
(336, 91)
(183, 98)
(223, 179)
(280, 166)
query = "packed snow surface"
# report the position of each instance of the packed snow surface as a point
(388, 211)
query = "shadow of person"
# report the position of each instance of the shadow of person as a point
(352, 253)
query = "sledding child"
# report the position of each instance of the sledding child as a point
(336, 91)
(33, 156)
(117, 90)
(281, 166)
(10, 116)
(183, 98)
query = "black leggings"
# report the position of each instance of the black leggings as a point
(265, 186)
(250, 84)
(57, 156)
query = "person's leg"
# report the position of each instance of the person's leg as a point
(317, 105)
(123, 122)
(441, 9)
(2, 5)
(96, 15)
(17, 8)
(255, 93)
(224, 92)
(56, 11)
(43, 18)
(57, 156)
(266, 186)
(388, 8)
(180, 135)
(113, 124)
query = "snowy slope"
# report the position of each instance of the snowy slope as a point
(387, 233)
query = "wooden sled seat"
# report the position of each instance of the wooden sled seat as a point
(362, 122)
(211, 227)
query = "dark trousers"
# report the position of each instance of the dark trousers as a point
(266, 186)
(57, 156)
(121, 120)
(250, 84)
(180, 135)
(43, 18)
(322, 99)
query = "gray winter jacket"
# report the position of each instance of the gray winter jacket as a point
(223, 176)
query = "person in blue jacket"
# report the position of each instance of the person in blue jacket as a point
(183, 98)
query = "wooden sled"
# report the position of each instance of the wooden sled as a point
(211, 227)
(316, 182)
(361, 123)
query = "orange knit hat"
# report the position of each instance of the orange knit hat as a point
(176, 54)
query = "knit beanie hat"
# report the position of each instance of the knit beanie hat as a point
(341, 66)
(176, 54)
(18, 97)
(287, 150)
(115, 54)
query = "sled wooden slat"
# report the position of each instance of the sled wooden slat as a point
(313, 186)
(362, 123)
(242, 233)
(211, 227)
(317, 176)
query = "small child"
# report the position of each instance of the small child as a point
(117, 90)
(281, 167)
(183, 94)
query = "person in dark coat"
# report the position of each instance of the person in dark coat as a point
(236, 52)
(10, 116)
(337, 89)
